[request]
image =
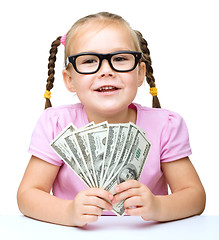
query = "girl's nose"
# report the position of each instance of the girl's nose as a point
(105, 69)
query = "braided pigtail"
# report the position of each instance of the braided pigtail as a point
(149, 70)
(51, 71)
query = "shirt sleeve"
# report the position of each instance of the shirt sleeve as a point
(175, 139)
(44, 132)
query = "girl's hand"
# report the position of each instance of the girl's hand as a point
(139, 200)
(88, 205)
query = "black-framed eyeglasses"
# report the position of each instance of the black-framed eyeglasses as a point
(90, 62)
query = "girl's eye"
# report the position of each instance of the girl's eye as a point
(89, 61)
(119, 59)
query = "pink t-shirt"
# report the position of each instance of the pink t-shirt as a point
(166, 131)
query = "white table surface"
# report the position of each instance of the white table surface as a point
(111, 227)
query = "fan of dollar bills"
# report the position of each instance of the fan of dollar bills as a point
(104, 155)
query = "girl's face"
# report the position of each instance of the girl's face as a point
(106, 93)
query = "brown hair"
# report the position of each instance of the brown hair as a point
(106, 18)
(149, 70)
(51, 69)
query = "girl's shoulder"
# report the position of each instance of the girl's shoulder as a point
(65, 114)
(63, 108)
(155, 113)
(158, 118)
(166, 130)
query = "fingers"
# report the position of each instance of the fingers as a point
(132, 202)
(99, 197)
(92, 210)
(134, 211)
(136, 196)
(127, 185)
(127, 189)
(98, 192)
(125, 195)
(138, 199)
(88, 219)
(96, 197)
(99, 202)
(89, 204)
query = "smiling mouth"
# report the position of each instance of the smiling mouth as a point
(107, 89)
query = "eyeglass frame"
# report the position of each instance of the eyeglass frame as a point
(72, 59)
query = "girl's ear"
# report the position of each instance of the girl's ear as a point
(141, 73)
(68, 80)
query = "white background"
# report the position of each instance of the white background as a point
(183, 39)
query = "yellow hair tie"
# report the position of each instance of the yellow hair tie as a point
(153, 91)
(47, 94)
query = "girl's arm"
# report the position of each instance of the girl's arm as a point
(187, 197)
(35, 200)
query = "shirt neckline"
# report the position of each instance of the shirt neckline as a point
(132, 106)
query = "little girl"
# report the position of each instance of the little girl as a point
(105, 63)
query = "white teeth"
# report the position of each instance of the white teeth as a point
(106, 88)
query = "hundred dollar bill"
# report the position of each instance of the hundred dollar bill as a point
(60, 146)
(97, 145)
(82, 144)
(127, 147)
(76, 153)
(131, 168)
(111, 161)
(113, 133)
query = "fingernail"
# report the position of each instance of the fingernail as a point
(117, 189)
